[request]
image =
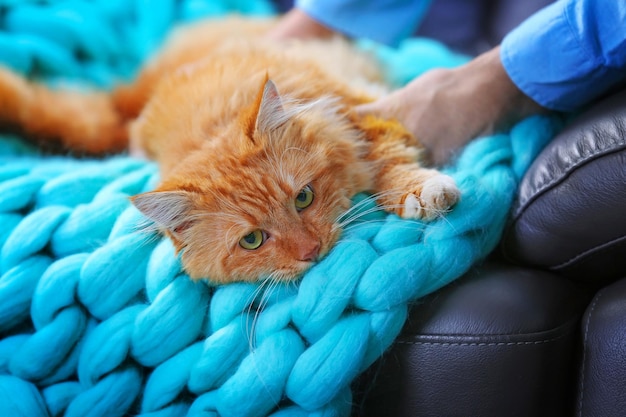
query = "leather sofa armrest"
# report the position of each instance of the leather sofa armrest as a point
(601, 382)
(570, 216)
(500, 341)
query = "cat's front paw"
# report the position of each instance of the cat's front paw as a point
(436, 196)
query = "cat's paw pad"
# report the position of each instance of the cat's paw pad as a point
(438, 195)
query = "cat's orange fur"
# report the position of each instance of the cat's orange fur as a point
(241, 127)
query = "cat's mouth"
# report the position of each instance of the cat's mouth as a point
(301, 266)
(318, 253)
(309, 252)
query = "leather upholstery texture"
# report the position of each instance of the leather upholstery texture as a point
(570, 213)
(483, 344)
(602, 378)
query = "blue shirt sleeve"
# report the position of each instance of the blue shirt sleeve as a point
(384, 21)
(569, 53)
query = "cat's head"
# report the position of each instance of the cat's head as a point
(264, 200)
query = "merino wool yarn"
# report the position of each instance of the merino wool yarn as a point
(98, 319)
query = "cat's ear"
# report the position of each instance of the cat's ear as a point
(268, 111)
(168, 209)
(271, 111)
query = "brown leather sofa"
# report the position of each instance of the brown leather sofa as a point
(539, 329)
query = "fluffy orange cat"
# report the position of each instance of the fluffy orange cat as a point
(258, 149)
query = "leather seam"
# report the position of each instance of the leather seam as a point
(548, 335)
(590, 251)
(521, 208)
(544, 187)
(480, 344)
(582, 372)
(562, 332)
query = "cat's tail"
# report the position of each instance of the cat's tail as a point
(83, 122)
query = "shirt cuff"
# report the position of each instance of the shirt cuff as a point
(563, 57)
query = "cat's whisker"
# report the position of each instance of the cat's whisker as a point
(353, 221)
(444, 218)
(357, 215)
(441, 215)
(372, 198)
(353, 217)
(354, 208)
(251, 327)
(270, 283)
(354, 226)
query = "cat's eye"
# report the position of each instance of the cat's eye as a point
(304, 198)
(252, 240)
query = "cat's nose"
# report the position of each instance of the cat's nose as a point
(309, 252)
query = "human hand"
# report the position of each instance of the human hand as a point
(446, 108)
(298, 24)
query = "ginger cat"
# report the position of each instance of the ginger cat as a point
(258, 149)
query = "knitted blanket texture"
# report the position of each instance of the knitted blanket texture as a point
(98, 319)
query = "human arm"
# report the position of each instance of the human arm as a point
(569, 53)
(561, 58)
(298, 24)
(385, 21)
(445, 108)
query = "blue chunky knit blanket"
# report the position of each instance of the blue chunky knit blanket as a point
(99, 320)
